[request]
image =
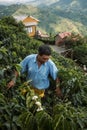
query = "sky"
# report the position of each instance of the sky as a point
(13, 1)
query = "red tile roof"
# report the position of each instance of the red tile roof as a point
(64, 34)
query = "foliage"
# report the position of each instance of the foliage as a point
(78, 46)
(73, 41)
(44, 121)
(28, 121)
(72, 80)
(20, 108)
(68, 117)
(13, 39)
(80, 53)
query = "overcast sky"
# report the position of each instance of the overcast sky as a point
(13, 1)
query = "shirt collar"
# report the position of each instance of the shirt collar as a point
(35, 58)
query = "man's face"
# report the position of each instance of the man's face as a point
(43, 58)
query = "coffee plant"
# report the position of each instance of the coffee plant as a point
(20, 108)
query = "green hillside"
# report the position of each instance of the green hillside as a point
(20, 107)
(8, 10)
(56, 16)
(54, 20)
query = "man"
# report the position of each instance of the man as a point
(38, 68)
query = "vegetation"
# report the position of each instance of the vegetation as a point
(78, 46)
(60, 16)
(8, 10)
(20, 108)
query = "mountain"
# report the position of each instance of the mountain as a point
(30, 2)
(40, 3)
(55, 16)
(8, 10)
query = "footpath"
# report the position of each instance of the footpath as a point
(58, 49)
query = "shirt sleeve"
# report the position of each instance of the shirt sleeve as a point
(24, 64)
(53, 70)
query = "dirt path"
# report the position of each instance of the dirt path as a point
(57, 49)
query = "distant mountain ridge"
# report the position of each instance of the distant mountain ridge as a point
(57, 15)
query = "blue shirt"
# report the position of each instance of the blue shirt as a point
(39, 76)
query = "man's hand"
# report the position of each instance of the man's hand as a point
(13, 81)
(58, 92)
(10, 84)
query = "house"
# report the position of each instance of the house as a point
(59, 38)
(30, 24)
(41, 35)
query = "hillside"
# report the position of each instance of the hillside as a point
(8, 10)
(55, 16)
(20, 107)
(54, 19)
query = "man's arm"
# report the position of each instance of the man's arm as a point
(58, 90)
(13, 81)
